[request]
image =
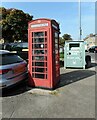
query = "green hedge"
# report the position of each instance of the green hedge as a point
(62, 55)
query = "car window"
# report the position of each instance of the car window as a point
(16, 48)
(20, 46)
(8, 47)
(10, 59)
(25, 45)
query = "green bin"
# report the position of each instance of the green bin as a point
(74, 54)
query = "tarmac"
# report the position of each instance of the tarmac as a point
(73, 99)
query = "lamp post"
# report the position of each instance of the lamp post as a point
(80, 29)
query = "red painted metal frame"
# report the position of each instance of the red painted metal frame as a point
(51, 80)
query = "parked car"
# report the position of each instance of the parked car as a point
(8, 46)
(20, 48)
(13, 69)
(93, 49)
(1, 46)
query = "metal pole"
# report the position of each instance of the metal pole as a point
(80, 30)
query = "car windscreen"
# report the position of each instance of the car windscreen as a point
(10, 59)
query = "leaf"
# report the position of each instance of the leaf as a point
(14, 24)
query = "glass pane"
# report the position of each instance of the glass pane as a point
(39, 64)
(39, 69)
(45, 58)
(38, 34)
(38, 51)
(33, 75)
(37, 46)
(56, 40)
(38, 58)
(32, 69)
(39, 76)
(33, 64)
(56, 51)
(56, 35)
(45, 39)
(45, 45)
(57, 62)
(56, 46)
(38, 40)
(32, 34)
(45, 33)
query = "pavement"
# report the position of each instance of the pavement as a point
(73, 98)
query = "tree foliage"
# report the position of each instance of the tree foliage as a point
(14, 24)
(64, 38)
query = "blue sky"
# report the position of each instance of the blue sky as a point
(66, 13)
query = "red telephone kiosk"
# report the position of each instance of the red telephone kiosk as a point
(44, 67)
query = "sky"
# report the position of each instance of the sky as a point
(66, 13)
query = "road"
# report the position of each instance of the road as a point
(73, 98)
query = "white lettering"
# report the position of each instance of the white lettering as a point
(39, 25)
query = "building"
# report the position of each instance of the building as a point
(91, 40)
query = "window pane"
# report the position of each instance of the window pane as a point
(38, 51)
(38, 64)
(45, 45)
(56, 35)
(39, 69)
(38, 58)
(56, 51)
(32, 34)
(39, 76)
(33, 69)
(45, 33)
(45, 39)
(56, 46)
(38, 40)
(38, 34)
(56, 40)
(33, 75)
(37, 46)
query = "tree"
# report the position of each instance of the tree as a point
(14, 24)
(64, 38)
(67, 37)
